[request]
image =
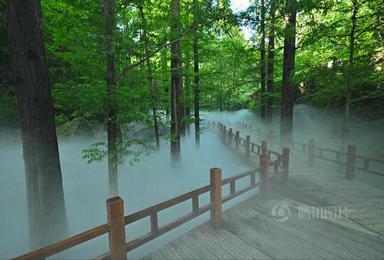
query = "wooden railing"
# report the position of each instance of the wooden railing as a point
(261, 150)
(115, 226)
(350, 159)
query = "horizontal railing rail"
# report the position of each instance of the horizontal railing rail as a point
(117, 221)
(66, 243)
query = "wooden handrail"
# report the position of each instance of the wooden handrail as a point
(370, 158)
(66, 243)
(165, 204)
(239, 176)
(338, 154)
(152, 211)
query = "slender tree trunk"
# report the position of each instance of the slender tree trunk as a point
(288, 84)
(187, 86)
(150, 79)
(271, 62)
(262, 61)
(164, 68)
(347, 112)
(112, 131)
(176, 80)
(187, 91)
(196, 80)
(45, 195)
(221, 88)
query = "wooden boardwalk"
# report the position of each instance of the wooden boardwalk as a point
(250, 230)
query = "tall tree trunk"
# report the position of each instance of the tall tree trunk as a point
(288, 84)
(346, 120)
(112, 128)
(196, 79)
(176, 80)
(187, 86)
(187, 91)
(45, 195)
(271, 62)
(150, 79)
(165, 81)
(221, 93)
(262, 61)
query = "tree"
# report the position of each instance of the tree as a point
(271, 60)
(196, 80)
(349, 77)
(45, 195)
(262, 60)
(176, 80)
(150, 78)
(108, 7)
(288, 81)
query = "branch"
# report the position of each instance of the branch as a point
(142, 60)
(369, 28)
(162, 46)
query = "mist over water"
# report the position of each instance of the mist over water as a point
(154, 178)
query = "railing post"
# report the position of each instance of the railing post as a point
(264, 160)
(216, 199)
(338, 157)
(253, 178)
(264, 147)
(230, 134)
(247, 144)
(351, 160)
(237, 139)
(233, 187)
(366, 164)
(195, 203)
(285, 165)
(115, 212)
(311, 151)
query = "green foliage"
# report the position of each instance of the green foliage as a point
(229, 63)
(129, 149)
(82, 98)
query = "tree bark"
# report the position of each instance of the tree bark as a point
(221, 93)
(347, 111)
(150, 79)
(262, 61)
(176, 81)
(196, 80)
(112, 128)
(271, 62)
(45, 195)
(288, 84)
(187, 86)
(165, 81)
